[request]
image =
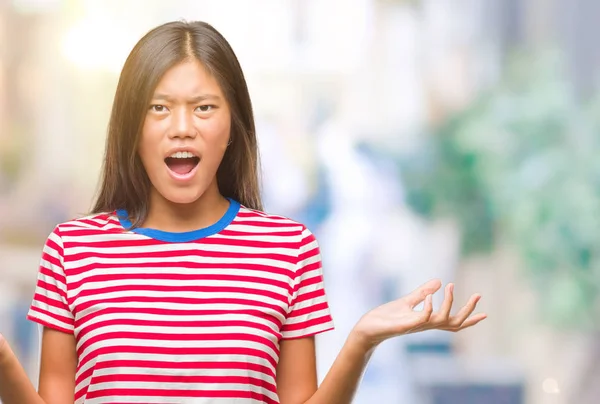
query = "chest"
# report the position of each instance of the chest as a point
(183, 303)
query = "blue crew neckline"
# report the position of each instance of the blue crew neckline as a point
(182, 237)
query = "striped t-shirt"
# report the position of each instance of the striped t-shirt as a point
(192, 317)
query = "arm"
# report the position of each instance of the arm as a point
(50, 308)
(15, 387)
(297, 375)
(57, 372)
(296, 370)
(384, 322)
(58, 367)
(343, 378)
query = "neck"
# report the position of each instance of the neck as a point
(173, 217)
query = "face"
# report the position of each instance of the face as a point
(185, 134)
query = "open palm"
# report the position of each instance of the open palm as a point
(399, 317)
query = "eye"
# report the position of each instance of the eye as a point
(158, 108)
(205, 108)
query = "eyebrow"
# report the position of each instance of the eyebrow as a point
(193, 100)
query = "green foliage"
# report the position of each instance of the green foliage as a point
(522, 164)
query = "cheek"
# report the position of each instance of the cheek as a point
(216, 135)
(143, 151)
(148, 145)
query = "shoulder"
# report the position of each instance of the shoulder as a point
(282, 231)
(260, 218)
(78, 230)
(85, 225)
(264, 222)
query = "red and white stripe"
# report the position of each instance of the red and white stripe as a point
(167, 322)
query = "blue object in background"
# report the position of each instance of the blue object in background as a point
(24, 332)
(477, 394)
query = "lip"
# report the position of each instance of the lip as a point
(182, 149)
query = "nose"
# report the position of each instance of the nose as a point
(182, 124)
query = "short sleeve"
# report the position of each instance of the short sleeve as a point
(309, 312)
(49, 307)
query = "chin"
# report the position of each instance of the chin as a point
(182, 196)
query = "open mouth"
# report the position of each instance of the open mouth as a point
(182, 162)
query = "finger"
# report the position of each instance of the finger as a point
(444, 312)
(428, 308)
(470, 322)
(465, 312)
(441, 318)
(421, 320)
(418, 295)
(467, 309)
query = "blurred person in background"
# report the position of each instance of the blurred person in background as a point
(177, 286)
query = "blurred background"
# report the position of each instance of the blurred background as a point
(455, 139)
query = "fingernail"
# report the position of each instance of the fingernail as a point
(451, 287)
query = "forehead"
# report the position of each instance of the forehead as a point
(188, 78)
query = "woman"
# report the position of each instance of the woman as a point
(177, 287)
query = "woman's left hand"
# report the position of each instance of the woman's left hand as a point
(399, 317)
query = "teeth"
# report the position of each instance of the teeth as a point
(182, 155)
